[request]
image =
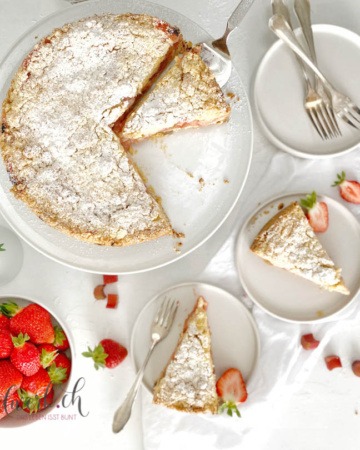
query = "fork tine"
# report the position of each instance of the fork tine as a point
(171, 313)
(354, 107)
(160, 311)
(352, 114)
(323, 121)
(335, 122)
(347, 120)
(330, 120)
(314, 122)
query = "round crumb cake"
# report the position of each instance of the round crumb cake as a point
(57, 142)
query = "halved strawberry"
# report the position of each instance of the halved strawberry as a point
(108, 279)
(333, 362)
(317, 212)
(309, 342)
(231, 389)
(349, 189)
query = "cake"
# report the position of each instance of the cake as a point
(186, 96)
(58, 127)
(288, 241)
(63, 158)
(188, 381)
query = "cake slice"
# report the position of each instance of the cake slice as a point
(188, 381)
(187, 96)
(288, 241)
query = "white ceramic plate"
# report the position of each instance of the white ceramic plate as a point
(234, 336)
(279, 93)
(285, 295)
(175, 166)
(20, 418)
(11, 259)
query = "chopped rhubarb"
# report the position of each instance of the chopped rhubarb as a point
(99, 293)
(356, 368)
(108, 279)
(333, 362)
(112, 300)
(309, 342)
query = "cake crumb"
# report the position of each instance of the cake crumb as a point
(202, 183)
(178, 235)
(320, 313)
(226, 181)
(230, 95)
(189, 174)
(177, 246)
(266, 211)
(280, 206)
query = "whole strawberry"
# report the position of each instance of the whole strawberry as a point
(60, 369)
(43, 403)
(61, 341)
(9, 404)
(6, 345)
(33, 388)
(10, 378)
(4, 322)
(25, 356)
(108, 353)
(35, 321)
(48, 352)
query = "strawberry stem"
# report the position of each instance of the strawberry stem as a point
(341, 177)
(47, 358)
(59, 336)
(98, 355)
(230, 408)
(20, 340)
(57, 374)
(9, 309)
(309, 202)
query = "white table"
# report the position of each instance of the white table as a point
(313, 411)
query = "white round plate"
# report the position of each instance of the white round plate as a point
(279, 93)
(199, 174)
(234, 336)
(11, 258)
(290, 297)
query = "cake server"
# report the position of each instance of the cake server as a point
(164, 318)
(216, 53)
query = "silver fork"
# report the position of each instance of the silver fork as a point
(315, 102)
(160, 328)
(342, 105)
(302, 9)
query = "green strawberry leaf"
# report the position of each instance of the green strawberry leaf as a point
(98, 355)
(30, 402)
(9, 309)
(59, 336)
(2, 249)
(341, 177)
(47, 358)
(309, 202)
(230, 408)
(20, 340)
(57, 374)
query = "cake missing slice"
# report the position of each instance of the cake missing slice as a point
(288, 241)
(187, 96)
(188, 381)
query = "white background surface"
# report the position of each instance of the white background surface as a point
(294, 402)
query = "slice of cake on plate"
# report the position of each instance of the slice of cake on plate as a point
(288, 241)
(188, 381)
(187, 96)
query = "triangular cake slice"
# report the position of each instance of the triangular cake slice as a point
(288, 241)
(187, 96)
(188, 381)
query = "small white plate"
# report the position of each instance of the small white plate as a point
(234, 336)
(279, 93)
(290, 297)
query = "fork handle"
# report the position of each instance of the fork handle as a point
(123, 413)
(302, 9)
(279, 26)
(237, 16)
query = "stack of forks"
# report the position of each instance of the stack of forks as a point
(323, 103)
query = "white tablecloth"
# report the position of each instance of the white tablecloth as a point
(294, 402)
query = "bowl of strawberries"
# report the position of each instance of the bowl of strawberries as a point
(35, 361)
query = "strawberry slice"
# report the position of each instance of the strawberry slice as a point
(333, 362)
(112, 301)
(108, 279)
(317, 213)
(231, 389)
(308, 341)
(349, 189)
